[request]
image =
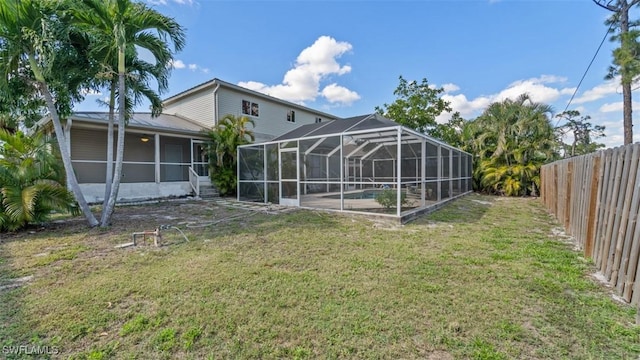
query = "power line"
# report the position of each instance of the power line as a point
(588, 67)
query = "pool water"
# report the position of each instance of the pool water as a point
(365, 194)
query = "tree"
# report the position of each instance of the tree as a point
(582, 131)
(18, 108)
(31, 181)
(119, 28)
(452, 132)
(39, 49)
(417, 105)
(511, 140)
(626, 58)
(224, 139)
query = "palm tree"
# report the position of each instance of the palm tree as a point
(31, 181)
(38, 47)
(119, 28)
(224, 139)
(513, 138)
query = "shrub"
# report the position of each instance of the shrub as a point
(32, 182)
(388, 198)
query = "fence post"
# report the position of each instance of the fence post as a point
(591, 222)
(568, 197)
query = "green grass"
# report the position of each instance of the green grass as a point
(469, 281)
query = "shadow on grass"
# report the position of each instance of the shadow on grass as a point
(467, 209)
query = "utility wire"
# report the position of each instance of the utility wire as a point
(606, 34)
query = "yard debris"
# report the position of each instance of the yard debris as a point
(125, 245)
(157, 236)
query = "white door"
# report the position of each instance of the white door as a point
(289, 178)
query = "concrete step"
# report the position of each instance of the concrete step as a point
(208, 192)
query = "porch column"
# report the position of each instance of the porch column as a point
(156, 139)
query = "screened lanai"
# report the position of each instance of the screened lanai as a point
(364, 164)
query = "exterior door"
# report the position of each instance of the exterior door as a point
(289, 178)
(199, 159)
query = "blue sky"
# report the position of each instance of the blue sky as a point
(345, 57)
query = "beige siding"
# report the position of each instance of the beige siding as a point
(197, 107)
(272, 119)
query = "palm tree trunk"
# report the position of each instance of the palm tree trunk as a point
(109, 177)
(108, 211)
(626, 78)
(62, 144)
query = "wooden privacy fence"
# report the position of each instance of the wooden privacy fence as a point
(597, 199)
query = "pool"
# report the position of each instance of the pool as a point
(358, 195)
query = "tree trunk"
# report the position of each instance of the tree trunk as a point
(626, 83)
(62, 145)
(109, 177)
(108, 211)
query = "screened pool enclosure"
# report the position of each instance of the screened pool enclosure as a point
(364, 164)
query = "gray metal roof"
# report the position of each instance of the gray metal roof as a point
(145, 121)
(363, 122)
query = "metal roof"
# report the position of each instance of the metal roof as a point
(146, 121)
(334, 127)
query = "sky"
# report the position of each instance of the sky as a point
(345, 57)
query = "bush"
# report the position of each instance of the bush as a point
(388, 198)
(32, 183)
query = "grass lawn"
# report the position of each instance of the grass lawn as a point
(483, 278)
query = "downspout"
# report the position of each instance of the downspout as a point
(215, 104)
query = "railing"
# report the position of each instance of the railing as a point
(194, 181)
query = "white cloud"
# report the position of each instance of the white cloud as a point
(617, 107)
(448, 88)
(611, 107)
(536, 88)
(600, 91)
(178, 64)
(166, 2)
(335, 93)
(539, 90)
(314, 64)
(91, 92)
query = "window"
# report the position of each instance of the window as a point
(291, 116)
(250, 108)
(318, 120)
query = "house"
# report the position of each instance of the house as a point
(164, 156)
(210, 101)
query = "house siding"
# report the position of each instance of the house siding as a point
(272, 119)
(197, 107)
